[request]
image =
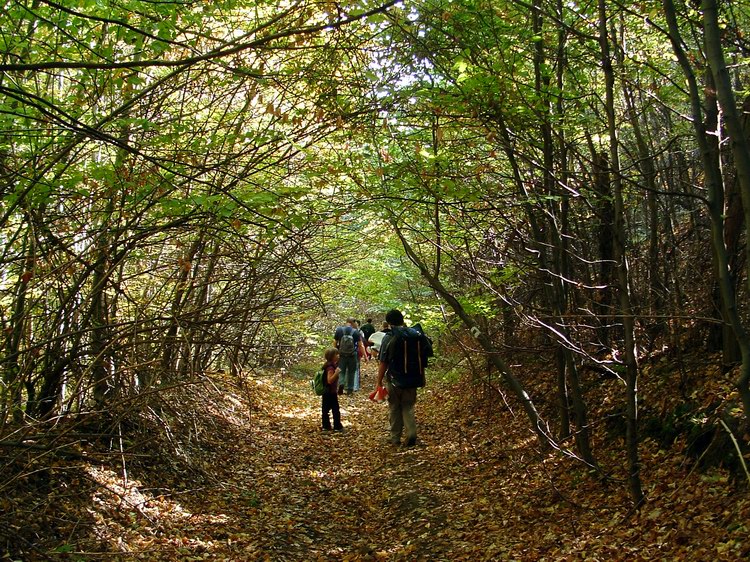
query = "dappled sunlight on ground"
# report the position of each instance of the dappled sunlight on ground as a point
(127, 520)
(297, 413)
(260, 481)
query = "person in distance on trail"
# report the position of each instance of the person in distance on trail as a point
(362, 347)
(361, 353)
(346, 339)
(367, 330)
(376, 338)
(330, 398)
(401, 400)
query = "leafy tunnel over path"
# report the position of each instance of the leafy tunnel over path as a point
(180, 181)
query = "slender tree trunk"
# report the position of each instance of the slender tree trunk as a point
(623, 280)
(715, 188)
(647, 167)
(563, 405)
(202, 352)
(172, 341)
(727, 211)
(570, 370)
(605, 235)
(740, 148)
(556, 296)
(100, 368)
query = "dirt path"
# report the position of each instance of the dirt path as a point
(313, 495)
(252, 477)
(278, 489)
(255, 479)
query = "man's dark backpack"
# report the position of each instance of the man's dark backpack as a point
(408, 353)
(346, 343)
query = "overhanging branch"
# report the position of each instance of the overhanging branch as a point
(190, 61)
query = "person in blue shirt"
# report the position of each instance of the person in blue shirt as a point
(347, 340)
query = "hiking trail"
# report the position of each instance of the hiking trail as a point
(265, 483)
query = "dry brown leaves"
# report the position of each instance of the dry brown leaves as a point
(269, 485)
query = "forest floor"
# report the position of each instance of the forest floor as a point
(267, 484)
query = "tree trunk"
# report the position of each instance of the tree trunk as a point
(100, 365)
(740, 149)
(715, 188)
(728, 200)
(172, 343)
(605, 234)
(655, 295)
(623, 280)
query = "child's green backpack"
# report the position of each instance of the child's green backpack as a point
(318, 382)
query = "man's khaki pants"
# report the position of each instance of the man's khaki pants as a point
(401, 403)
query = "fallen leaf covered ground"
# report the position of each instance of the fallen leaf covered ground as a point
(260, 481)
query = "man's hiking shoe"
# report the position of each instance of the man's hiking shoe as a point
(411, 442)
(338, 429)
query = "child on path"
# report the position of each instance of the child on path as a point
(330, 396)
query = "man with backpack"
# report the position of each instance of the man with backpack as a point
(403, 358)
(347, 342)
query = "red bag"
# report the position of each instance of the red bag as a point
(379, 394)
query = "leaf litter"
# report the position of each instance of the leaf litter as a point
(258, 480)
